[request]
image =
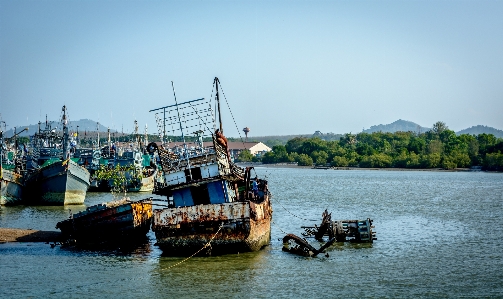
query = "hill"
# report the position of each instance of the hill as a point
(83, 125)
(399, 125)
(273, 140)
(476, 130)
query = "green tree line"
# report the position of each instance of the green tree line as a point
(437, 148)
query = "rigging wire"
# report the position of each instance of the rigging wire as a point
(233, 119)
(279, 227)
(293, 213)
(200, 118)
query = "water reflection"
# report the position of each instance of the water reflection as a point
(142, 246)
(224, 276)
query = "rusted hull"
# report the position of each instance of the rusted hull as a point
(115, 222)
(235, 227)
(58, 184)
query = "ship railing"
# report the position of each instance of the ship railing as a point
(172, 162)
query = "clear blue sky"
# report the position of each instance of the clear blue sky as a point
(286, 67)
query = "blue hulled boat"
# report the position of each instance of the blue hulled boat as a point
(53, 177)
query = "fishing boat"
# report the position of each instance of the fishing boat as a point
(53, 176)
(130, 162)
(211, 201)
(11, 171)
(116, 221)
(12, 187)
(143, 183)
(92, 159)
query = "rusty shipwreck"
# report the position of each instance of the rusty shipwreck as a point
(209, 198)
(119, 221)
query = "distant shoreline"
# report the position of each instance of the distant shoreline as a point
(288, 165)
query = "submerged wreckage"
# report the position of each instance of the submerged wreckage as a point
(355, 231)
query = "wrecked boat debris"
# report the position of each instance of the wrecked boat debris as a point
(116, 221)
(355, 231)
(302, 247)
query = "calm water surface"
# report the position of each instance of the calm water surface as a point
(439, 235)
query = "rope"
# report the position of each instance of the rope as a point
(206, 245)
(279, 227)
(235, 124)
(293, 213)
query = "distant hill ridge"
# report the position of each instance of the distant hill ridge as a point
(399, 125)
(87, 125)
(476, 130)
(405, 126)
(84, 125)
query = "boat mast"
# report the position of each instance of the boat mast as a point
(136, 136)
(145, 140)
(218, 105)
(98, 131)
(185, 151)
(1, 148)
(64, 120)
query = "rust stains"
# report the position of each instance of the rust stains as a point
(245, 226)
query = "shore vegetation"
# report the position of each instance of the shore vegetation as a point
(436, 148)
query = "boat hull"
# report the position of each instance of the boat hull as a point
(61, 183)
(145, 184)
(99, 186)
(11, 188)
(121, 222)
(230, 227)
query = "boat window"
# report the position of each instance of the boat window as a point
(200, 194)
(196, 174)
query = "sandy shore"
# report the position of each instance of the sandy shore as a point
(28, 235)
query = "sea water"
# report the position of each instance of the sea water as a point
(439, 235)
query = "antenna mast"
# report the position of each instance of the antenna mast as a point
(218, 105)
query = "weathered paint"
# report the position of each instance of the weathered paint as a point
(142, 212)
(208, 171)
(246, 226)
(11, 188)
(61, 183)
(175, 178)
(182, 198)
(216, 192)
(115, 221)
(148, 183)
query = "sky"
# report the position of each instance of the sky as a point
(285, 67)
